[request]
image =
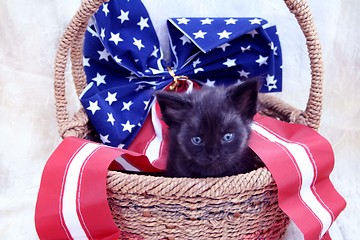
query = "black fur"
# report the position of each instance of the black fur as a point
(209, 114)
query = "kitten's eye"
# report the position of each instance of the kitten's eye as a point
(196, 140)
(228, 137)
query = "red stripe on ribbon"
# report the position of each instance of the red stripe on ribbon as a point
(288, 180)
(48, 217)
(65, 212)
(161, 161)
(287, 174)
(144, 137)
(72, 199)
(139, 161)
(321, 151)
(92, 203)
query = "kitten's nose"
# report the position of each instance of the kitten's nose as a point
(213, 157)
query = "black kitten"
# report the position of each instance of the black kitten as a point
(209, 130)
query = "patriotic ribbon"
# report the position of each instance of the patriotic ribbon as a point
(300, 160)
(72, 202)
(124, 62)
(74, 182)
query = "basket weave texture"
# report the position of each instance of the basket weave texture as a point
(244, 206)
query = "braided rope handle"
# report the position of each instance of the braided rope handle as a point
(302, 13)
(72, 40)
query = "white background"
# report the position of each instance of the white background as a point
(29, 35)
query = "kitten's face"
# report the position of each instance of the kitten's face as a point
(209, 129)
(213, 141)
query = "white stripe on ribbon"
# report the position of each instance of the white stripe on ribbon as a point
(153, 149)
(307, 174)
(70, 189)
(126, 165)
(190, 86)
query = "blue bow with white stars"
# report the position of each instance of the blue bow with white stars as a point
(124, 63)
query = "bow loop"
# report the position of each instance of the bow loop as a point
(125, 65)
(121, 27)
(210, 33)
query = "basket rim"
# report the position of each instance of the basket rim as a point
(257, 180)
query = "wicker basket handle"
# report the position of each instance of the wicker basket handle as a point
(302, 13)
(72, 39)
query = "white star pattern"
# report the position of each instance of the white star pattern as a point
(255, 21)
(244, 74)
(117, 59)
(206, 21)
(273, 48)
(248, 48)
(124, 16)
(196, 62)
(230, 21)
(93, 107)
(197, 70)
(86, 62)
(146, 104)
(271, 82)
(199, 34)
(99, 79)
(127, 126)
(224, 34)
(104, 54)
(143, 23)
(115, 38)
(155, 52)
(105, 9)
(111, 97)
(183, 20)
(126, 49)
(139, 87)
(111, 118)
(253, 33)
(224, 46)
(126, 106)
(102, 33)
(138, 43)
(262, 60)
(185, 40)
(131, 77)
(105, 139)
(210, 83)
(230, 62)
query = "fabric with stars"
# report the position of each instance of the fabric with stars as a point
(125, 65)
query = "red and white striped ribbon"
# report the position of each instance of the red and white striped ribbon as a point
(300, 160)
(72, 201)
(151, 140)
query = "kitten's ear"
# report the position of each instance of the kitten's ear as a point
(245, 96)
(173, 106)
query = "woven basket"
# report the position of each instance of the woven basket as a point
(147, 207)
